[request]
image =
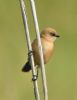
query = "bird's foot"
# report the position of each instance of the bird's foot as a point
(35, 77)
(30, 53)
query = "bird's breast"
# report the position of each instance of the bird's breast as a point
(47, 50)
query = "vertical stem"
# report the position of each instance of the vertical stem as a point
(40, 50)
(25, 21)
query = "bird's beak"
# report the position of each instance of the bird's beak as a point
(57, 36)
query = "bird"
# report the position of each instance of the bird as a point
(47, 37)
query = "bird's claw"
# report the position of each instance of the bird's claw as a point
(30, 53)
(35, 77)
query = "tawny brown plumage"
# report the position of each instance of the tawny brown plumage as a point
(47, 47)
(48, 36)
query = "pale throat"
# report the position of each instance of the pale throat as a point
(53, 39)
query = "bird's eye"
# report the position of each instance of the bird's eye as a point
(52, 34)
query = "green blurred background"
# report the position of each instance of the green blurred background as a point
(61, 71)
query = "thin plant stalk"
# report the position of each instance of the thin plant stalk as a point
(32, 2)
(25, 21)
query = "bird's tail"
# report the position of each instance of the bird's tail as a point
(26, 67)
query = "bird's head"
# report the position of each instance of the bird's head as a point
(49, 34)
